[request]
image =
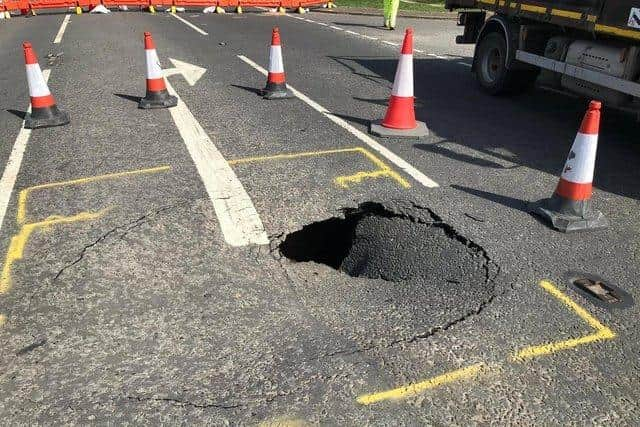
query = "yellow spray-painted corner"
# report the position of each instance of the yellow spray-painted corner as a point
(24, 194)
(19, 241)
(602, 332)
(341, 181)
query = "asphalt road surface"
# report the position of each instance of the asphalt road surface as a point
(250, 262)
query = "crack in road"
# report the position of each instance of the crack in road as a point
(490, 272)
(181, 402)
(419, 337)
(128, 227)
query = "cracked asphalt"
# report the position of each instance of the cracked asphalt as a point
(125, 304)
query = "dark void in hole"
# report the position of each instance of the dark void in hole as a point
(395, 243)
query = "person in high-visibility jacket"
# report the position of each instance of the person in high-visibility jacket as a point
(390, 13)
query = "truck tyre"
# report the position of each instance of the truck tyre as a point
(491, 69)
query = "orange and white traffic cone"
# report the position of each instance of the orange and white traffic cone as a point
(44, 111)
(400, 120)
(276, 87)
(569, 209)
(157, 94)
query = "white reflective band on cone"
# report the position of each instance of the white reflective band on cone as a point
(403, 82)
(275, 60)
(35, 80)
(153, 64)
(582, 158)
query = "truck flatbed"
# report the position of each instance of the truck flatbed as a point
(619, 18)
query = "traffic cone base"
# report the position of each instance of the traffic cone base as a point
(275, 90)
(378, 129)
(158, 100)
(46, 118)
(569, 208)
(569, 215)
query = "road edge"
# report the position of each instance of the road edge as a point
(448, 16)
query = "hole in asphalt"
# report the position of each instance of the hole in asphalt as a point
(398, 245)
(415, 275)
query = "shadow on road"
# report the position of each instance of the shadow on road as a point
(536, 129)
(18, 113)
(510, 202)
(131, 98)
(443, 151)
(249, 89)
(352, 119)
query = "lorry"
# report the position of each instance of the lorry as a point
(588, 48)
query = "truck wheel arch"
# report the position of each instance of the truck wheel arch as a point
(509, 30)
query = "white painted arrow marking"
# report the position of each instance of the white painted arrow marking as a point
(191, 73)
(239, 220)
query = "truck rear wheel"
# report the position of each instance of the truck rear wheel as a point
(491, 68)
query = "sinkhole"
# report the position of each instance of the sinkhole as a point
(396, 242)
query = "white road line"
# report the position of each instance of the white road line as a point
(63, 27)
(372, 143)
(198, 29)
(239, 221)
(10, 174)
(433, 55)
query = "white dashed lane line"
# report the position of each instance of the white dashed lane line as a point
(388, 43)
(363, 137)
(63, 27)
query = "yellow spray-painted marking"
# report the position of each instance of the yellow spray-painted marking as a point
(342, 181)
(3, 320)
(414, 389)
(19, 241)
(284, 422)
(24, 194)
(602, 332)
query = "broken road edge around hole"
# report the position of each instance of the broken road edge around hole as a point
(602, 333)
